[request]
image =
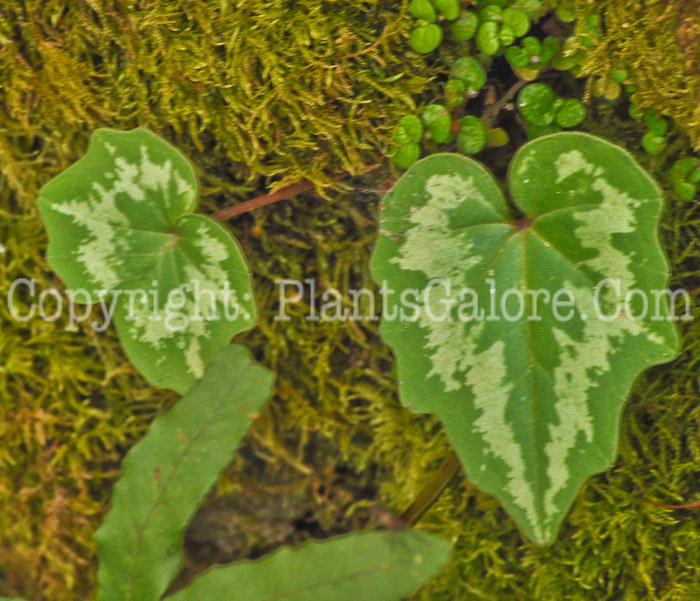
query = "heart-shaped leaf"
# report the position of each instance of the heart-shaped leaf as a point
(169, 472)
(121, 230)
(371, 566)
(530, 391)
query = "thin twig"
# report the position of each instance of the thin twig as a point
(431, 491)
(691, 506)
(266, 199)
(282, 193)
(491, 112)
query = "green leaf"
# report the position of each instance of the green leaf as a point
(506, 35)
(491, 12)
(438, 121)
(426, 38)
(121, 228)
(487, 40)
(517, 20)
(634, 112)
(682, 167)
(619, 74)
(550, 47)
(517, 56)
(694, 176)
(371, 566)
(497, 137)
(448, 8)
(413, 127)
(169, 472)
(536, 103)
(530, 401)
(656, 123)
(422, 9)
(653, 143)
(571, 113)
(469, 70)
(471, 137)
(532, 45)
(455, 90)
(566, 11)
(533, 8)
(401, 136)
(404, 156)
(686, 190)
(465, 27)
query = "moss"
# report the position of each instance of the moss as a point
(657, 41)
(286, 89)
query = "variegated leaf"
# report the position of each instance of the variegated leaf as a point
(121, 230)
(531, 402)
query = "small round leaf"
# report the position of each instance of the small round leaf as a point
(471, 137)
(653, 143)
(455, 89)
(506, 35)
(448, 8)
(438, 121)
(469, 70)
(536, 101)
(517, 57)
(404, 156)
(550, 47)
(413, 127)
(465, 27)
(686, 190)
(491, 12)
(694, 176)
(517, 20)
(401, 136)
(619, 74)
(426, 38)
(656, 123)
(487, 40)
(571, 113)
(422, 9)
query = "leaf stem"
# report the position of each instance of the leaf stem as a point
(282, 193)
(432, 490)
(266, 199)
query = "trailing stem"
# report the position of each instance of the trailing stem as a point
(432, 490)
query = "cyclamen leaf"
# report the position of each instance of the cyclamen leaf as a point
(121, 228)
(371, 566)
(531, 407)
(168, 473)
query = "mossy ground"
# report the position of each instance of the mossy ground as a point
(256, 92)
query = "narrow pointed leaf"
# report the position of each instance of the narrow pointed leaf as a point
(530, 392)
(371, 566)
(121, 230)
(167, 475)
